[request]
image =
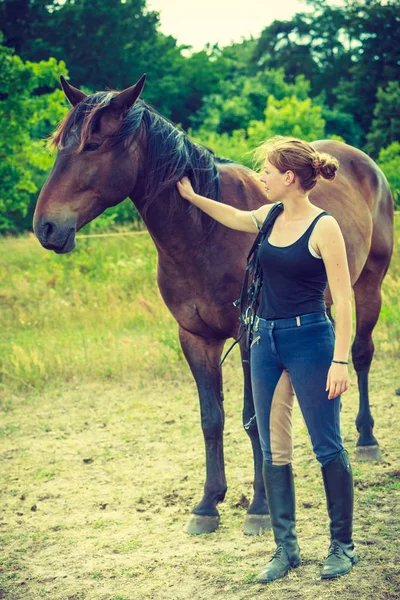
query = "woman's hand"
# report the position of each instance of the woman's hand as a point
(185, 188)
(338, 380)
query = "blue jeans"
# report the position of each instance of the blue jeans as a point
(290, 356)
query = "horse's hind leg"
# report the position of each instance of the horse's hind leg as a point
(368, 299)
(257, 518)
(203, 356)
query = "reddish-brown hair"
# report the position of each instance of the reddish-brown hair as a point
(292, 154)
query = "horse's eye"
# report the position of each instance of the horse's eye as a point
(91, 147)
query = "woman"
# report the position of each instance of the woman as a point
(294, 343)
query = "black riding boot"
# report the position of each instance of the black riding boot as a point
(338, 482)
(279, 487)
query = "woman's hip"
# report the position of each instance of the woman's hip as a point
(307, 339)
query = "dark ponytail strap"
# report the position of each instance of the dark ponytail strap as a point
(340, 362)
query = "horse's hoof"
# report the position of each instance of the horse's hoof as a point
(197, 524)
(368, 453)
(256, 524)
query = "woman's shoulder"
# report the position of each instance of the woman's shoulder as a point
(263, 211)
(326, 220)
(326, 227)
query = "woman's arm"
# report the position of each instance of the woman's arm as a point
(241, 220)
(330, 243)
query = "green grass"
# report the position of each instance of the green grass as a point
(96, 314)
(93, 314)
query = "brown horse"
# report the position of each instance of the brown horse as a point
(111, 146)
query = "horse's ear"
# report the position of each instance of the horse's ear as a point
(124, 100)
(73, 94)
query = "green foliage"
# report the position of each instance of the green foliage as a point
(200, 76)
(111, 44)
(346, 52)
(24, 116)
(389, 162)
(341, 125)
(234, 147)
(386, 124)
(88, 35)
(310, 43)
(243, 100)
(290, 116)
(373, 31)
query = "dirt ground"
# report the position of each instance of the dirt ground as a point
(98, 481)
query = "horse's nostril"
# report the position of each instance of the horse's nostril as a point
(56, 235)
(48, 227)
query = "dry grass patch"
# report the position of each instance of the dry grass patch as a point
(99, 479)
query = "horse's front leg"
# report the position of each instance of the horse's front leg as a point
(257, 518)
(203, 357)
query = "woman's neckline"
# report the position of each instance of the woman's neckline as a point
(299, 238)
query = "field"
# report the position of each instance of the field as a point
(102, 451)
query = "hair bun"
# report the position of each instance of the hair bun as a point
(325, 165)
(316, 162)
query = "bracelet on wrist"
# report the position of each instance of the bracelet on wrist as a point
(340, 362)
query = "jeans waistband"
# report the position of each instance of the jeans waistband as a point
(260, 323)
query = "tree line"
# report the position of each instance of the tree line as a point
(327, 72)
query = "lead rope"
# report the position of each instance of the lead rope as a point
(247, 316)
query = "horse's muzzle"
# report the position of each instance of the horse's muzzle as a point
(54, 236)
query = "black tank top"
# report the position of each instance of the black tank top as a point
(293, 279)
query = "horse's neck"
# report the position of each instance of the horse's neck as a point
(169, 223)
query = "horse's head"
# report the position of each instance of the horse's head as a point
(97, 164)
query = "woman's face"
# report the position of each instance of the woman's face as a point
(274, 181)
